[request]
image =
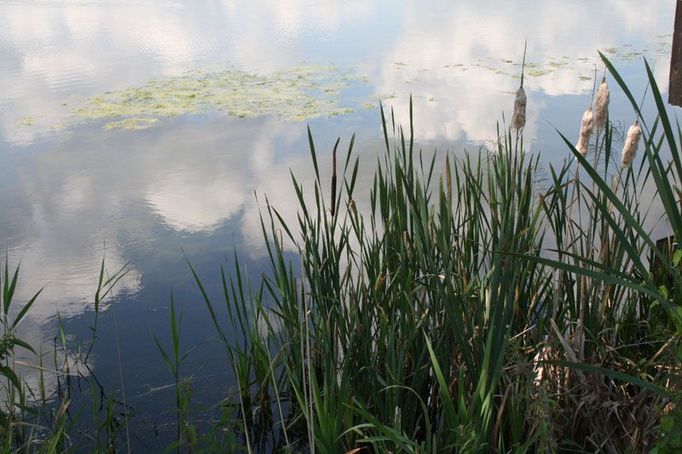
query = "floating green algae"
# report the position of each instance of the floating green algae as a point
(135, 123)
(538, 72)
(301, 93)
(558, 64)
(631, 56)
(25, 121)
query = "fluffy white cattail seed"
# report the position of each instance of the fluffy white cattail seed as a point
(586, 128)
(631, 144)
(519, 117)
(601, 104)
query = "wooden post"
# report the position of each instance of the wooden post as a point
(675, 89)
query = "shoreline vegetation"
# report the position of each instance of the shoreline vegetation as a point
(468, 310)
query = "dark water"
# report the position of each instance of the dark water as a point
(76, 186)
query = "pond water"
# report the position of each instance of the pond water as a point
(141, 130)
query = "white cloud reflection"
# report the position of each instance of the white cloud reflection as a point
(60, 52)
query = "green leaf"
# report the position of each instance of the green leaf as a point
(11, 376)
(23, 344)
(25, 309)
(677, 256)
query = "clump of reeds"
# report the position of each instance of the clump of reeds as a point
(445, 294)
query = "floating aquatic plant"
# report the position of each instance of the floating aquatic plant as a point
(300, 93)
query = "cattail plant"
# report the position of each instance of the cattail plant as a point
(519, 117)
(631, 144)
(601, 105)
(586, 128)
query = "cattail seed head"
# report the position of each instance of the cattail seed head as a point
(519, 117)
(586, 128)
(601, 104)
(631, 144)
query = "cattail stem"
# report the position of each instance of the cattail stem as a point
(523, 62)
(574, 195)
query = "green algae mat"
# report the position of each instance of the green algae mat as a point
(300, 93)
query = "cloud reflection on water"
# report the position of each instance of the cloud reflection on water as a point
(563, 39)
(62, 52)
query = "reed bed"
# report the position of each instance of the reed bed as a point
(471, 308)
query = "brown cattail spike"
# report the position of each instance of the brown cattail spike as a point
(519, 116)
(601, 105)
(586, 128)
(631, 144)
(333, 209)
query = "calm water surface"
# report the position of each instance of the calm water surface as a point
(88, 170)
